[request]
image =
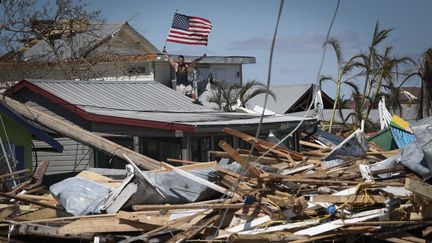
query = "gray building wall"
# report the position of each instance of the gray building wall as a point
(75, 157)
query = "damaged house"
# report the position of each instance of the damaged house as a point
(144, 116)
(108, 51)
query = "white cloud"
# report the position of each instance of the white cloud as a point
(307, 42)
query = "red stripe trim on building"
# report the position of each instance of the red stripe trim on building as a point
(96, 117)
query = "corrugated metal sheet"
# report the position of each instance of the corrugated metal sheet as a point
(135, 96)
(373, 115)
(199, 118)
(286, 97)
(75, 156)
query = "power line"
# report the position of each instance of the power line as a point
(244, 170)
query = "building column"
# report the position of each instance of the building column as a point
(186, 148)
(136, 144)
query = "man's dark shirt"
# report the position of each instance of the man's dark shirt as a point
(182, 74)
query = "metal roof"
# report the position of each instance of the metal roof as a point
(143, 103)
(213, 59)
(409, 114)
(286, 97)
(203, 119)
(142, 96)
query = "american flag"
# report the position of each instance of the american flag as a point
(189, 30)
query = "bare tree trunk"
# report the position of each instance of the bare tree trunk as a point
(426, 84)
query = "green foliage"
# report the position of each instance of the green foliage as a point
(225, 95)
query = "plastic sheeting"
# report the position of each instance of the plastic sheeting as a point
(80, 196)
(355, 145)
(413, 157)
(422, 129)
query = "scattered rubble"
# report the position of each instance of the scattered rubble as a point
(335, 188)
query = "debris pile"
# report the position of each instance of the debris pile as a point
(336, 188)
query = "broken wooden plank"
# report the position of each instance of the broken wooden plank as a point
(103, 225)
(144, 217)
(186, 206)
(194, 230)
(236, 156)
(261, 160)
(93, 176)
(8, 211)
(19, 198)
(352, 199)
(295, 170)
(335, 224)
(421, 188)
(250, 139)
(41, 214)
(182, 161)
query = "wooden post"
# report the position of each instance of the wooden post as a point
(77, 133)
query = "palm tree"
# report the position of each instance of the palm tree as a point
(251, 89)
(343, 69)
(227, 94)
(426, 76)
(387, 73)
(423, 70)
(369, 61)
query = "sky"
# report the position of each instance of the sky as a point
(245, 28)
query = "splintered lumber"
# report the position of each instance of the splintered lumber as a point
(44, 213)
(182, 161)
(169, 224)
(335, 224)
(273, 237)
(236, 156)
(352, 199)
(261, 160)
(419, 187)
(93, 176)
(313, 145)
(186, 206)
(265, 145)
(144, 217)
(83, 136)
(7, 211)
(19, 198)
(103, 225)
(194, 230)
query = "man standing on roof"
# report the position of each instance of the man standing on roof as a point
(184, 86)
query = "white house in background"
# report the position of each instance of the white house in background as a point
(116, 52)
(289, 98)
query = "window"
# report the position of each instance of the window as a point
(200, 148)
(136, 70)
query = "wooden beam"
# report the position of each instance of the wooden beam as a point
(314, 145)
(250, 139)
(19, 198)
(194, 230)
(103, 225)
(261, 160)
(186, 206)
(351, 199)
(421, 188)
(242, 161)
(77, 133)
